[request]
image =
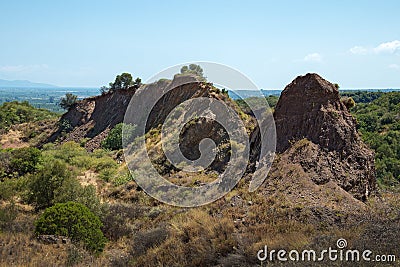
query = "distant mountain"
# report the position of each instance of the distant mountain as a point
(24, 83)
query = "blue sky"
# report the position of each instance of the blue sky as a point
(86, 43)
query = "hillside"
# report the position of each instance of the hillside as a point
(379, 123)
(321, 186)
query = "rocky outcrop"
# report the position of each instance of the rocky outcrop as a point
(92, 118)
(314, 129)
(310, 109)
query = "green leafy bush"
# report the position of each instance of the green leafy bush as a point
(25, 160)
(72, 190)
(75, 155)
(11, 187)
(75, 221)
(46, 181)
(66, 152)
(120, 134)
(18, 162)
(65, 126)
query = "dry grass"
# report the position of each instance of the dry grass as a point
(27, 134)
(195, 239)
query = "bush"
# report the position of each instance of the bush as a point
(10, 188)
(24, 160)
(75, 221)
(18, 162)
(348, 102)
(65, 126)
(72, 190)
(66, 152)
(121, 134)
(46, 181)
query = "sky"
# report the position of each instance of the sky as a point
(87, 43)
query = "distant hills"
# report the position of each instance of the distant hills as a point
(24, 83)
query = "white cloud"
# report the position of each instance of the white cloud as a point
(314, 57)
(359, 50)
(23, 68)
(389, 47)
(394, 66)
(392, 47)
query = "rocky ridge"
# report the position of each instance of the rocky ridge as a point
(315, 131)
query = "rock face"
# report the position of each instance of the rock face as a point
(92, 118)
(310, 108)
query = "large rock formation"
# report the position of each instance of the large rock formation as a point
(93, 117)
(310, 108)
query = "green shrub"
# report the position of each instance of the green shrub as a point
(75, 155)
(18, 162)
(348, 102)
(24, 160)
(66, 152)
(121, 134)
(4, 164)
(10, 187)
(75, 221)
(107, 174)
(103, 163)
(72, 190)
(46, 181)
(122, 178)
(65, 126)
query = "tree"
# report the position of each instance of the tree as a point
(68, 101)
(137, 83)
(193, 69)
(123, 81)
(75, 221)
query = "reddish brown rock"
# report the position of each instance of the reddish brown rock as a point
(310, 108)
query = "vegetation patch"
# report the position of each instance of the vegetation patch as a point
(73, 220)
